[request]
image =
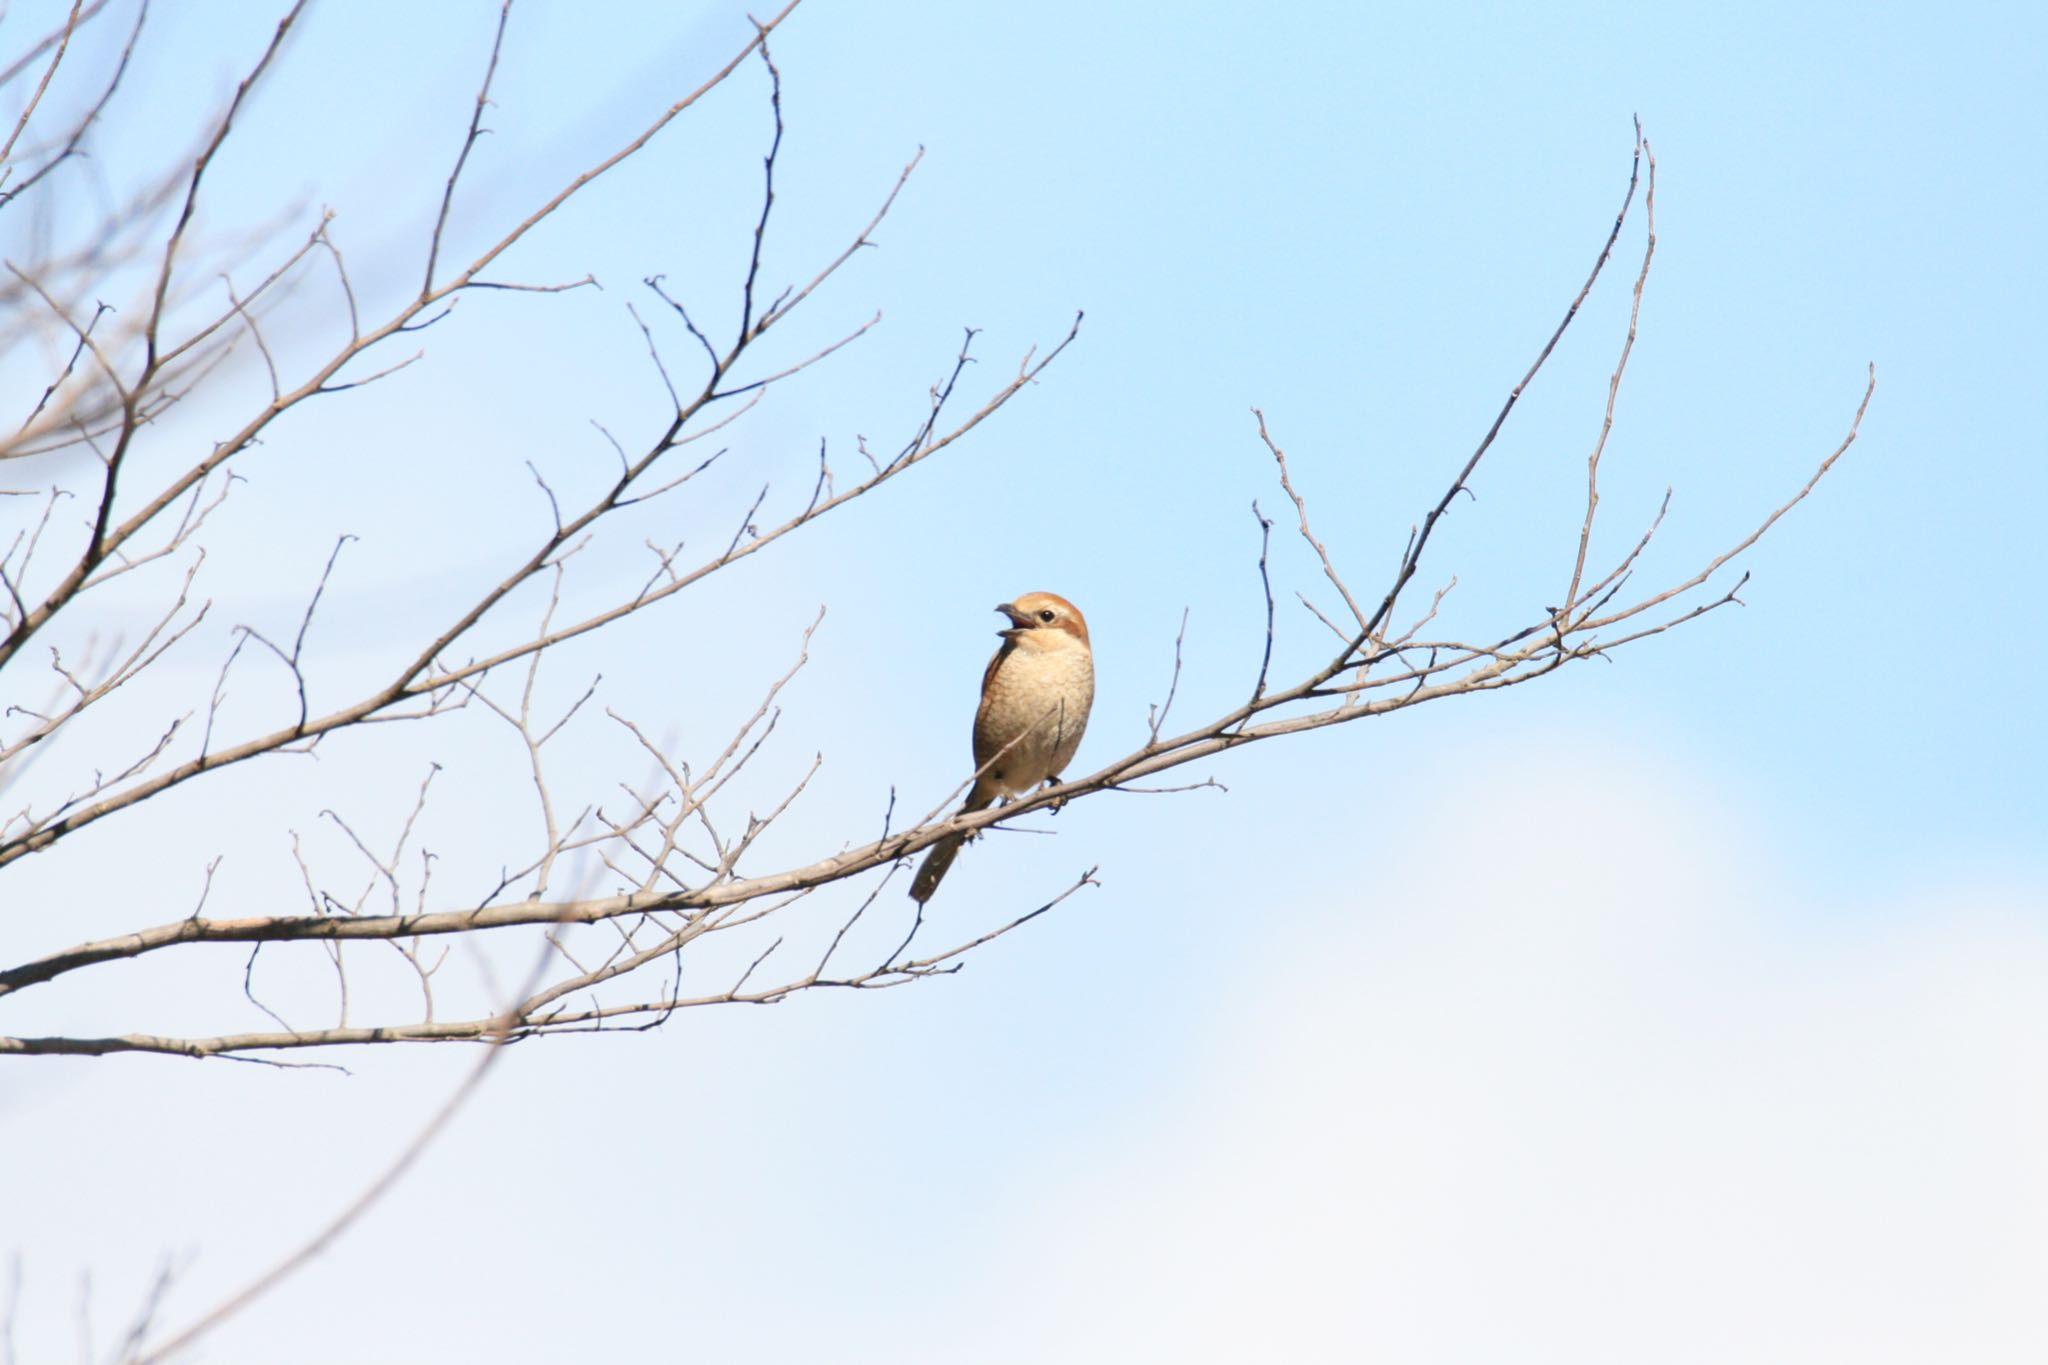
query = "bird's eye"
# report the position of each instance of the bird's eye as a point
(1045, 615)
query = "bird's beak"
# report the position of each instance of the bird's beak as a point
(1017, 618)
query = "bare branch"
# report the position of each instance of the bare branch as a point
(469, 141)
(1156, 716)
(665, 898)
(1635, 312)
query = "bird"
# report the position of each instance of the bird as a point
(1035, 697)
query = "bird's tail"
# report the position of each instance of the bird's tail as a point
(944, 852)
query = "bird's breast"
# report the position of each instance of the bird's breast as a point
(1033, 711)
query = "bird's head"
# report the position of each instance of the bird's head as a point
(1043, 620)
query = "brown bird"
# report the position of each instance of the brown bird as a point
(1034, 704)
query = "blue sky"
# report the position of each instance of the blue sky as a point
(1683, 1007)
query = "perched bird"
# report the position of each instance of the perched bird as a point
(1034, 704)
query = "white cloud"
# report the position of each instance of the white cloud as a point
(1581, 1076)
